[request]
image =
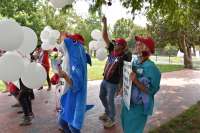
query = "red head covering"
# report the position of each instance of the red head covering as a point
(77, 37)
(55, 79)
(121, 41)
(149, 42)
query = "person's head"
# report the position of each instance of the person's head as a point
(144, 46)
(77, 37)
(120, 44)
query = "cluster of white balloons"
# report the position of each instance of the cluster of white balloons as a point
(98, 45)
(49, 38)
(61, 3)
(19, 42)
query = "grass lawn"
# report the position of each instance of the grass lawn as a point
(95, 72)
(169, 68)
(187, 122)
(2, 86)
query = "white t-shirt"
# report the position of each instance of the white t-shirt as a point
(65, 64)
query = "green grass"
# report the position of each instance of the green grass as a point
(169, 68)
(96, 70)
(2, 86)
(187, 122)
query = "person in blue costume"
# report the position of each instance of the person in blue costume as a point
(145, 84)
(73, 101)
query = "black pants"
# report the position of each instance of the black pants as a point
(48, 80)
(25, 101)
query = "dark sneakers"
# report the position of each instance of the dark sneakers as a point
(31, 116)
(40, 88)
(26, 121)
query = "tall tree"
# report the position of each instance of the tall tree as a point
(67, 20)
(176, 22)
(23, 11)
(127, 29)
(177, 18)
(86, 26)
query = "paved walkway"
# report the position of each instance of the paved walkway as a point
(179, 90)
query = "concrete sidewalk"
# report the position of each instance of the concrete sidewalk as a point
(179, 90)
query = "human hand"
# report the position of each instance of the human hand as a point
(120, 92)
(104, 19)
(133, 77)
(62, 74)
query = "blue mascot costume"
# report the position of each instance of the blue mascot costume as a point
(73, 101)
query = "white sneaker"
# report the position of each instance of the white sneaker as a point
(104, 117)
(109, 123)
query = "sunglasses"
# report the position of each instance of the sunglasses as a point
(115, 43)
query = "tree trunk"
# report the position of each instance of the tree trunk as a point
(194, 49)
(187, 53)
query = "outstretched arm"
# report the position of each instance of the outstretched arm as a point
(105, 33)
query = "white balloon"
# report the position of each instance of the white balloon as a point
(101, 54)
(93, 45)
(30, 41)
(52, 41)
(52, 37)
(11, 35)
(59, 3)
(34, 75)
(96, 34)
(11, 66)
(26, 61)
(44, 35)
(97, 46)
(47, 28)
(101, 44)
(46, 46)
(55, 34)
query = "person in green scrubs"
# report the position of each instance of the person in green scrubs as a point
(134, 119)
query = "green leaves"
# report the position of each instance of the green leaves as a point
(125, 28)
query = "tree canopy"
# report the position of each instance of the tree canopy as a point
(174, 22)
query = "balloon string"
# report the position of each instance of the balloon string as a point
(23, 56)
(57, 96)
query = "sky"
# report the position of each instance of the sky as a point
(113, 13)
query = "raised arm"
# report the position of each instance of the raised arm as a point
(105, 33)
